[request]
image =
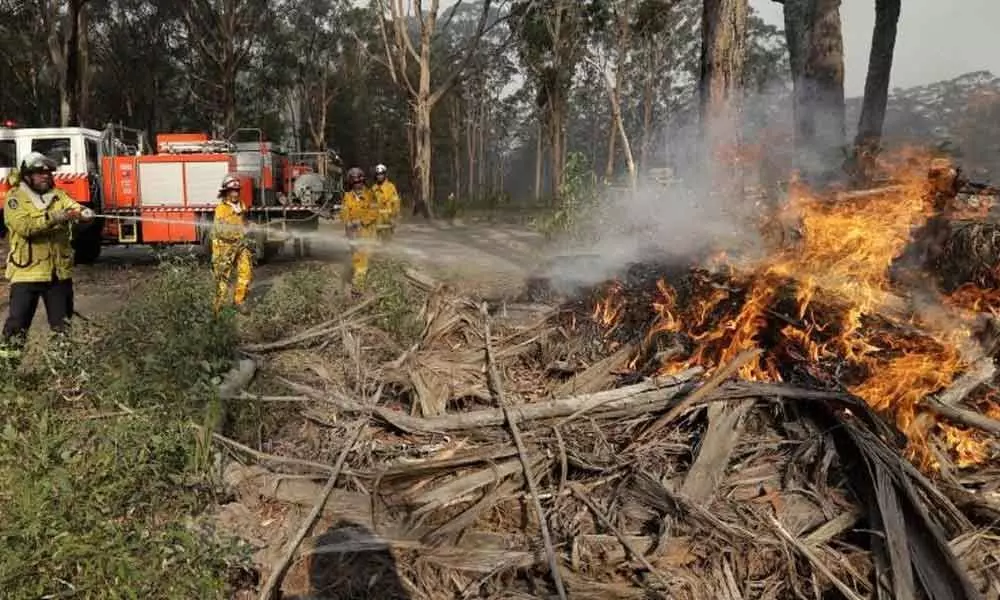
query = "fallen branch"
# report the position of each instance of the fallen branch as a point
(278, 571)
(647, 392)
(494, 379)
(879, 191)
(964, 417)
(265, 457)
(326, 328)
(980, 372)
(816, 561)
(946, 403)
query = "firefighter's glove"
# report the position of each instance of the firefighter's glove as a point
(60, 216)
(87, 215)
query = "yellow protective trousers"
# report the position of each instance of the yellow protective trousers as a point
(360, 253)
(225, 257)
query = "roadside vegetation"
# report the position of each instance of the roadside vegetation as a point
(578, 205)
(104, 469)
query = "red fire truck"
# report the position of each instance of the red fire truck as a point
(167, 195)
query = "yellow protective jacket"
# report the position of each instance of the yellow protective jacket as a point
(229, 225)
(360, 209)
(388, 199)
(39, 248)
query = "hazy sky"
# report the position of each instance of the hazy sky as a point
(938, 39)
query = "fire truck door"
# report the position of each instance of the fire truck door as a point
(94, 174)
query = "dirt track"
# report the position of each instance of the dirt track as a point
(487, 259)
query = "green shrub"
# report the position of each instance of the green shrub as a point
(164, 347)
(398, 302)
(578, 198)
(304, 296)
(99, 467)
(96, 506)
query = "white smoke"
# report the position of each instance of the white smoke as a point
(684, 221)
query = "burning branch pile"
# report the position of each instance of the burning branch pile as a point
(784, 427)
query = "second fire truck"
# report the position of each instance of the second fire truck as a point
(167, 195)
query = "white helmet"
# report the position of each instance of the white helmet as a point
(380, 169)
(35, 162)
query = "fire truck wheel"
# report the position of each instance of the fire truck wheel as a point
(87, 249)
(267, 251)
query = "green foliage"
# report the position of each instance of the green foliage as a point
(165, 347)
(309, 294)
(93, 506)
(397, 302)
(98, 469)
(579, 197)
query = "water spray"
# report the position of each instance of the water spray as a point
(311, 236)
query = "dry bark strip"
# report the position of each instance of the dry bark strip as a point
(253, 481)
(645, 393)
(599, 376)
(725, 425)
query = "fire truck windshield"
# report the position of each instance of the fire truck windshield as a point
(58, 149)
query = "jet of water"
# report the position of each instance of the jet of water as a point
(324, 239)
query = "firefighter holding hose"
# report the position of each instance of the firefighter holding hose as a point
(388, 203)
(39, 219)
(231, 246)
(360, 214)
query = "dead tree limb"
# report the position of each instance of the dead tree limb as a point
(278, 571)
(648, 392)
(494, 379)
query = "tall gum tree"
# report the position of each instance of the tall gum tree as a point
(876, 97)
(401, 52)
(723, 56)
(552, 36)
(816, 56)
(222, 36)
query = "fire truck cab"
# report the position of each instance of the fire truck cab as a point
(167, 196)
(77, 154)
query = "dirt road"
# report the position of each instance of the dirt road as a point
(487, 259)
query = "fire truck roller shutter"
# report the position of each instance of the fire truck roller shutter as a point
(161, 183)
(202, 181)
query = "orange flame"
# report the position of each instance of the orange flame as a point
(843, 257)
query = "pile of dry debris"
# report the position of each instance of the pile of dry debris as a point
(533, 450)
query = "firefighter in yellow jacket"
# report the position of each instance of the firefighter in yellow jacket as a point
(39, 219)
(360, 214)
(231, 248)
(388, 202)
